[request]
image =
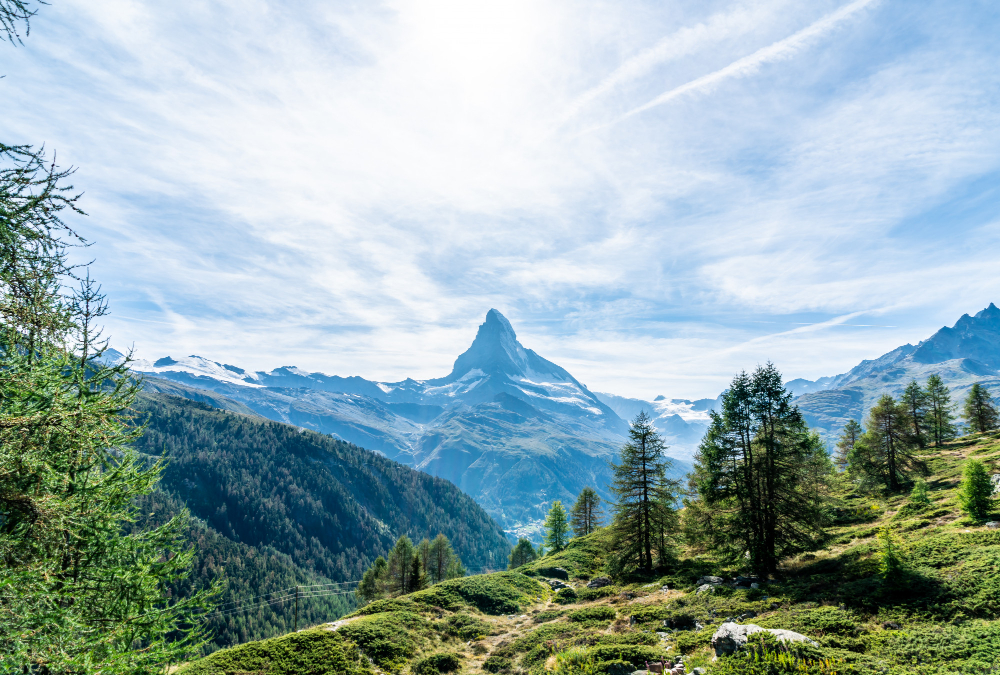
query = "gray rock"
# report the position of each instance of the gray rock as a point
(746, 582)
(664, 589)
(992, 525)
(755, 586)
(732, 637)
(715, 581)
(556, 585)
(698, 671)
(705, 587)
(599, 582)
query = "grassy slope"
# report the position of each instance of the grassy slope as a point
(946, 606)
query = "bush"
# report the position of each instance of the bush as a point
(497, 664)
(593, 614)
(437, 663)
(691, 641)
(387, 639)
(976, 491)
(615, 667)
(310, 652)
(566, 596)
(467, 627)
(588, 594)
(498, 593)
(637, 655)
(765, 655)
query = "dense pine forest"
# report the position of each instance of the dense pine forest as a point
(276, 507)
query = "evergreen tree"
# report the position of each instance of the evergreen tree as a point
(556, 527)
(372, 586)
(885, 453)
(522, 554)
(400, 566)
(976, 492)
(980, 410)
(443, 563)
(586, 515)
(845, 443)
(914, 399)
(918, 495)
(940, 417)
(417, 580)
(760, 475)
(643, 492)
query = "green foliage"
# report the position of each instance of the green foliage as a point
(556, 527)
(566, 596)
(311, 652)
(497, 664)
(644, 518)
(939, 411)
(437, 663)
(849, 436)
(689, 641)
(760, 476)
(498, 593)
(466, 627)
(891, 564)
(884, 456)
(600, 613)
(915, 399)
(586, 514)
(522, 554)
(389, 639)
(918, 495)
(373, 583)
(980, 409)
(976, 492)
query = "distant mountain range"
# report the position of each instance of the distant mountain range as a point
(966, 353)
(510, 428)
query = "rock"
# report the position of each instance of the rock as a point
(556, 585)
(731, 637)
(705, 587)
(754, 586)
(652, 585)
(746, 582)
(715, 581)
(993, 525)
(664, 589)
(698, 626)
(698, 671)
(561, 573)
(749, 614)
(599, 582)
(891, 625)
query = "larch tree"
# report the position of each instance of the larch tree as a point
(522, 554)
(975, 494)
(886, 451)
(849, 436)
(914, 399)
(980, 409)
(940, 414)
(556, 527)
(643, 493)
(400, 565)
(587, 514)
(761, 477)
(373, 582)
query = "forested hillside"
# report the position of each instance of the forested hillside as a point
(280, 506)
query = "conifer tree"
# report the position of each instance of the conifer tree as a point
(980, 409)
(760, 476)
(586, 515)
(885, 453)
(918, 495)
(850, 434)
(643, 492)
(522, 554)
(417, 580)
(373, 582)
(914, 399)
(556, 527)
(976, 491)
(940, 416)
(443, 563)
(400, 565)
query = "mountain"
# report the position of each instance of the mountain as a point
(512, 429)
(276, 506)
(682, 423)
(961, 355)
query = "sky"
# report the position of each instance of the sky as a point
(656, 194)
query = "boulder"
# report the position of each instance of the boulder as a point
(599, 582)
(747, 582)
(705, 587)
(731, 637)
(715, 581)
(992, 525)
(555, 584)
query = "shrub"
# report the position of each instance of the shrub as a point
(692, 641)
(548, 615)
(467, 627)
(566, 596)
(918, 495)
(310, 652)
(637, 655)
(593, 614)
(437, 663)
(615, 667)
(588, 594)
(498, 593)
(387, 639)
(497, 664)
(976, 491)
(767, 656)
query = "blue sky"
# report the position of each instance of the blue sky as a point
(656, 194)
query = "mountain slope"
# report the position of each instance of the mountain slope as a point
(961, 355)
(275, 507)
(512, 429)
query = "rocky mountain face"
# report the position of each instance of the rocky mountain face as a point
(682, 423)
(510, 428)
(961, 355)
